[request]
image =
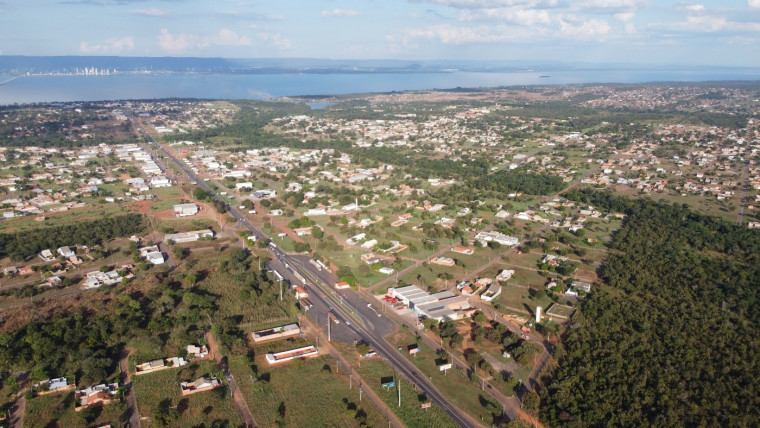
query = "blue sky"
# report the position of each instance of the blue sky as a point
(602, 31)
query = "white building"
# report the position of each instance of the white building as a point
(188, 236)
(160, 181)
(185, 210)
(498, 237)
(493, 291)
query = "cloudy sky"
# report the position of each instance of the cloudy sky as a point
(715, 32)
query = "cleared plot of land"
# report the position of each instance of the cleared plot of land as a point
(57, 410)
(303, 393)
(65, 217)
(161, 390)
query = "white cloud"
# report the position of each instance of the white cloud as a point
(611, 5)
(627, 19)
(512, 15)
(339, 12)
(625, 16)
(228, 37)
(691, 7)
(754, 3)
(451, 35)
(275, 40)
(184, 42)
(180, 42)
(710, 24)
(149, 12)
(492, 4)
(110, 46)
(584, 30)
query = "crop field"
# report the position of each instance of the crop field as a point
(53, 410)
(303, 393)
(161, 389)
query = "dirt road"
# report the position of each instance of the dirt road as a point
(126, 379)
(237, 396)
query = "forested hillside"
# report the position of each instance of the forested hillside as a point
(671, 341)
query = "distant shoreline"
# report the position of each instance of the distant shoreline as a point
(219, 86)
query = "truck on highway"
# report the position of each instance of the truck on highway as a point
(305, 304)
(315, 264)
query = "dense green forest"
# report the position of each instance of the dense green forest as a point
(671, 340)
(20, 245)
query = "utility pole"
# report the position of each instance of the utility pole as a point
(398, 387)
(329, 339)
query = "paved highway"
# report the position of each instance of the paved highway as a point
(343, 309)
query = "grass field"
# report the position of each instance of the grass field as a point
(375, 372)
(57, 410)
(254, 310)
(209, 408)
(307, 393)
(462, 391)
(89, 212)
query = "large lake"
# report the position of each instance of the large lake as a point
(29, 89)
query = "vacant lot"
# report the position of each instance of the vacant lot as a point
(303, 393)
(161, 390)
(57, 410)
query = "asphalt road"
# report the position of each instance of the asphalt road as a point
(346, 309)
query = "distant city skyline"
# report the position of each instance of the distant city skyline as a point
(591, 31)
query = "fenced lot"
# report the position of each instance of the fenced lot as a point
(161, 390)
(58, 410)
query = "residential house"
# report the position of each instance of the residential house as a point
(95, 395)
(505, 274)
(463, 250)
(97, 278)
(199, 385)
(444, 261)
(47, 255)
(493, 291)
(66, 252)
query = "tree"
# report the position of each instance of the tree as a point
(362, 348)
(448, 328)
(479, 317)
(200, 194)
(531, 402)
